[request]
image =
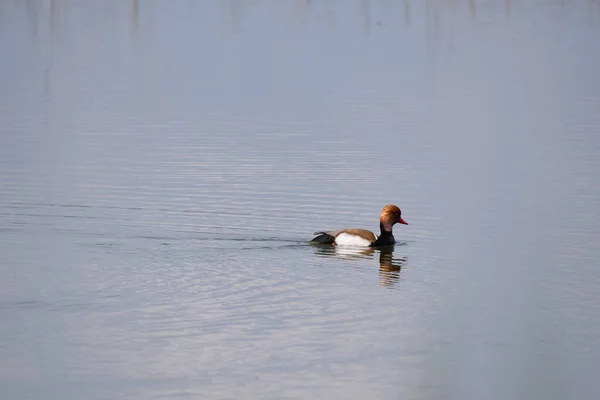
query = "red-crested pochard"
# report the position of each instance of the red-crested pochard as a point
(390, 215)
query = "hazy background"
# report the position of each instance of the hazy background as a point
(164, 163)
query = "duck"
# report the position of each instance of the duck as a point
(390, 215)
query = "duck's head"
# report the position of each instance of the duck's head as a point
(391, 215)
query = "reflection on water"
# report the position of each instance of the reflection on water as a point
(163, 165)
(389, 266)
(51, 16)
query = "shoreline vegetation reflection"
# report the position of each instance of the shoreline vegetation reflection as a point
(52, 16)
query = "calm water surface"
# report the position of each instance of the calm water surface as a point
(163, 165)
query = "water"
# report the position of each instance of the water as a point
(163, 165)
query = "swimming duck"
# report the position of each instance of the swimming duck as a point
(390, 215)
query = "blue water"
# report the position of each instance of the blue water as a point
(164, 164)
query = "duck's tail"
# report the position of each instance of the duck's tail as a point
(324, 238)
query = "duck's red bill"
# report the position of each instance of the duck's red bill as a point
(402, 221)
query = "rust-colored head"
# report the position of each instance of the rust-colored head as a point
(390, 215)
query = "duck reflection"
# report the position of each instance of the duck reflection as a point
(389, 266)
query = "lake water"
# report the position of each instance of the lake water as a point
(164, 164)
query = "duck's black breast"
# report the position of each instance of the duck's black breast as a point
(385, 239)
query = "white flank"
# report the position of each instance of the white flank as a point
(346, 239)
